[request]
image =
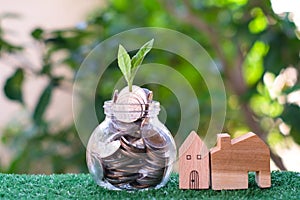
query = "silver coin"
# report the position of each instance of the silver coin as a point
(105, 149)
(117, 155)
(136, 90)
(128, 109)
(130, 106)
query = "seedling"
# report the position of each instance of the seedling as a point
(130, 66)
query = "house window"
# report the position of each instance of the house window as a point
(198, 157)
(188, 157)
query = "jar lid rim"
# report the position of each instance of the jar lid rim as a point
(151, 109)
(110, 103)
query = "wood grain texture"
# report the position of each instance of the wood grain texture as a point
(231, 160)
(194, 170)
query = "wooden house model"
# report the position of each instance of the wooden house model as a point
(231, 160)
(193, 163)
(226, 165)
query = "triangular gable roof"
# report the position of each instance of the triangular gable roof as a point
(191, 138)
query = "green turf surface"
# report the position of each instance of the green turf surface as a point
(285, 185)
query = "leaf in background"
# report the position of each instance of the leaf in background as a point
(9, 15)
(139, 57)
(124, 63)
(42, 104)
(37, 33)
(8, 47)
(291, 116)
(46, 69)
(13, 86)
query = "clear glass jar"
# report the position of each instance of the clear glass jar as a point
(131, 155)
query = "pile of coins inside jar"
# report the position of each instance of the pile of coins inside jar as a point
(137, 154)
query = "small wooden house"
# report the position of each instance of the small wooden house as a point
(231, 160)
(193, 163)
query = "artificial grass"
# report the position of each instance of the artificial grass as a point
(285, 185)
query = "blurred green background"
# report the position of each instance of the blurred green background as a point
(256, 50)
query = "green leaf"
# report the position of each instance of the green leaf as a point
(37, 33)
(42, 104)
(139, 57)
(13, 86)
(290, 116)
(8, 47)
(253, 67)
(124, 63)
(46, 69)
(259, 23)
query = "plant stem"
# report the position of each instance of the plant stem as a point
(130, 87)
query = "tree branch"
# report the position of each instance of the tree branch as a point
(195, 21)
(234, 73)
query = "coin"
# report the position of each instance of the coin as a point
(128, 110)
(115, 96)
(127, 169)
(118, 164)
(148, 181)
(139, 144)
(106, 149)
(130, 106)
(115, 156)
(139, 186)
(158, 174)
(155, 165)
(136, 90)
(154, 140)
(132, 129)
(149, 95)
(157, 154)
(133, 144)
(122, 179)
(131, 154)
(118, 174)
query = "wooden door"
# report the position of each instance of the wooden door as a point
(194, 180)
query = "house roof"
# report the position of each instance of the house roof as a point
(193, 140)
(243, 137)
(239, 139)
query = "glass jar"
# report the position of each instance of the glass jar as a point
(136, 154)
